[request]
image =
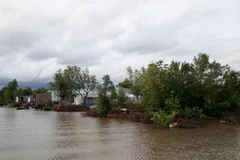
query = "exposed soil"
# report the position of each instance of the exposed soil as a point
(228, 120)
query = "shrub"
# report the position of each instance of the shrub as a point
(161, 118)
(193, 112)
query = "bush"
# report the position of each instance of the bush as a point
(49, 104)
(161, 118)
(103, 105)
(194, 112)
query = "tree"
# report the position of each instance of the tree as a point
(104, 100)
(2, 100)
(10, 91)
(135, 78)
(122, 99)
(25, 92)
(125, 84)
(40, 90)
(80, 81)
(60, 85)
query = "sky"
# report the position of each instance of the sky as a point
(106, 36)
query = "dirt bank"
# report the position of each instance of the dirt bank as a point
(228, 120)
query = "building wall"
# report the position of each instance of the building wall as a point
(28, 98)
(78, 100)
(89, 101)
(54, 96)
(43, 98)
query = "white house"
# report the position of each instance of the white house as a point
(90, 99)
(54, 97)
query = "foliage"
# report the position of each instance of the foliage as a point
(10, 91)
(24, 92)
(60, 85)
(80, 81)
(125, 84)
(193, 112)
(2, 100)
(161, 118)
(135, 78)
(104, 100)
(73, 80)
(40, 90)
(188, 89)
(50, 104)
(122, 99)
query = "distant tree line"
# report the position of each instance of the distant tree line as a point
(11, 91)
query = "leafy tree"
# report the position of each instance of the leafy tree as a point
(25, 92)
(80, 81)
(60, 85)
(125, 84)
(104, 103)
(40, 90)
(187, 89)
(135, 77)
(8, 96)
(2, 100)
(10, 91)
(122, 99)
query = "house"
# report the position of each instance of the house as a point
(91, 99)
(25, 99)
(43, 98)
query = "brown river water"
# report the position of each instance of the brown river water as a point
(43, 135)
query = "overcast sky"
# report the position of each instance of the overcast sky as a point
(39, 37)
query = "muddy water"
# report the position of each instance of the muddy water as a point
(28, 134)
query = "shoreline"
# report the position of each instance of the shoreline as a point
(141, 117)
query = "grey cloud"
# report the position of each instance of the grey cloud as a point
(85, 34)
(81, 57)
(147, 40)
(42, 53)
(14, 40)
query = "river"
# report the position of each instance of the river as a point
(44, 135)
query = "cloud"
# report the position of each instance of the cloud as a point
(145, 40)
(39, 37)
(15, 40)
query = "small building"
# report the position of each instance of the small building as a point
(25, 99)
(49, 96)
(43, 98)
(91, 99)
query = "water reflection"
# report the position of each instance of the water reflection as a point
(28, 134)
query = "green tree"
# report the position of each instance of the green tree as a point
(80, 81)
(125, 84)
(122, 99)
(135, 78)
(2, 100)
(104, 100)
(40, 90)
(25, 92)
(60, 85)
(10, 91)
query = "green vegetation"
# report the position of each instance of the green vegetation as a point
(197, 89)
(11, 91)
(8, 93)
(106, 95)
(122, 99)
(164, 91)
(73, 80)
